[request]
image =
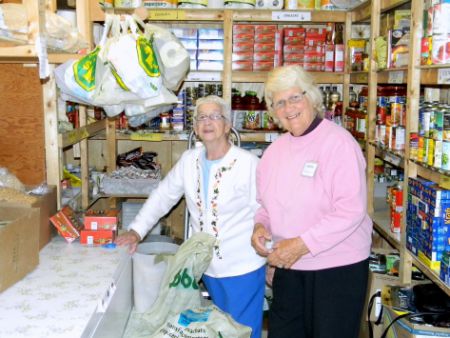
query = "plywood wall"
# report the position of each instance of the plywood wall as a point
(22, 143)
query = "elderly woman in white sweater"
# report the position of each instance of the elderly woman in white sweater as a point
(218, 183)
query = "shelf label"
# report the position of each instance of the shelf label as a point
(156, 137)
(396, 77)
(77, 135)
(443, 76)
(169, 14)
(204, 76)
(291, 16)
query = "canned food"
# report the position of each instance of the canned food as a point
(445, 155)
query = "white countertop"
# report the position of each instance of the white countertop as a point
(58, 298)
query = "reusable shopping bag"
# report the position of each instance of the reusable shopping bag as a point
(206, 322)
(179, 288)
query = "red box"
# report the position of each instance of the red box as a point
(263, 29)
(294, 31)
(288, 63)
(243, 46)
(265, 37)
(293, 40)
(242, 56)
(264, 47)
(314, 32)
(294, 57)
(262, 65)
(314, 57)
(264, 56)
(243, 29)
(97, 237)
(244, 37)
(339, 58)
(313, 49)
(101, 219)
(67, 224)
(242, 65)
(314, 42)
(313, 66)
(329, 58)
(289, 49)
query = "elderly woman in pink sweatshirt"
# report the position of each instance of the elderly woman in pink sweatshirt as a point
(313, 224)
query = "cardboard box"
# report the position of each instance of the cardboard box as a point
(101, 219)
(46, 205)
(96, 237)
(19, 243)
(67, 224)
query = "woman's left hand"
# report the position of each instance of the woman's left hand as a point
(286, 252)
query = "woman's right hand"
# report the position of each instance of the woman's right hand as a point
(130, 238)
(259, 238)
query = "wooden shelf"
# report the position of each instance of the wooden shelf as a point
(363, 11)
(431, 274)
(69, 138)
(259, 15)
(394, 157)
(58, 58)
(157, 136)
(206, 14)
(359, 77)
(260, 77)
(429, 75)
(428, 172)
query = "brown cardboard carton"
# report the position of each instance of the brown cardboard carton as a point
(19, 243)
(46, 205)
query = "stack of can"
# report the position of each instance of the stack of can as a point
(431, 145)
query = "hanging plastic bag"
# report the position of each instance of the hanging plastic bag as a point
(173, 58)
(179, 289)
(133, 60)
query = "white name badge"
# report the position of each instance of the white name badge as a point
(309, 169)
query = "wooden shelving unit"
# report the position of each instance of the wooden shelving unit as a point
(104, 131)
(413, 76)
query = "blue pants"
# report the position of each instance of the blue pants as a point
(240, 296)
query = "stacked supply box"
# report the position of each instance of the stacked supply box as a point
(305, 47)
(428, 218)
(256, 47)
(189, 39)
(243, 42)
(266, 47)
(100, 225)
(210, 49)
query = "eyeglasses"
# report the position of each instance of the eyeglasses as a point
(291, 100)
(212, 117)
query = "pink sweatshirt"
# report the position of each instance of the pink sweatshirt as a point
(314, 186)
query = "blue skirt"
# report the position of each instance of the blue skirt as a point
(240, 296)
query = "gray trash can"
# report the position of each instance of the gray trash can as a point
(149, 265)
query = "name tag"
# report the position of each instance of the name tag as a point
(309, 169)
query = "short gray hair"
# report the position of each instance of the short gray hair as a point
(287, 77)
(224, 107)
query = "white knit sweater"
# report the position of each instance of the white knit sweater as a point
(228, 213)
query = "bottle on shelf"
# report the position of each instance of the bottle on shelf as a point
(353, 97)
(252, 118)
(237, 110)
